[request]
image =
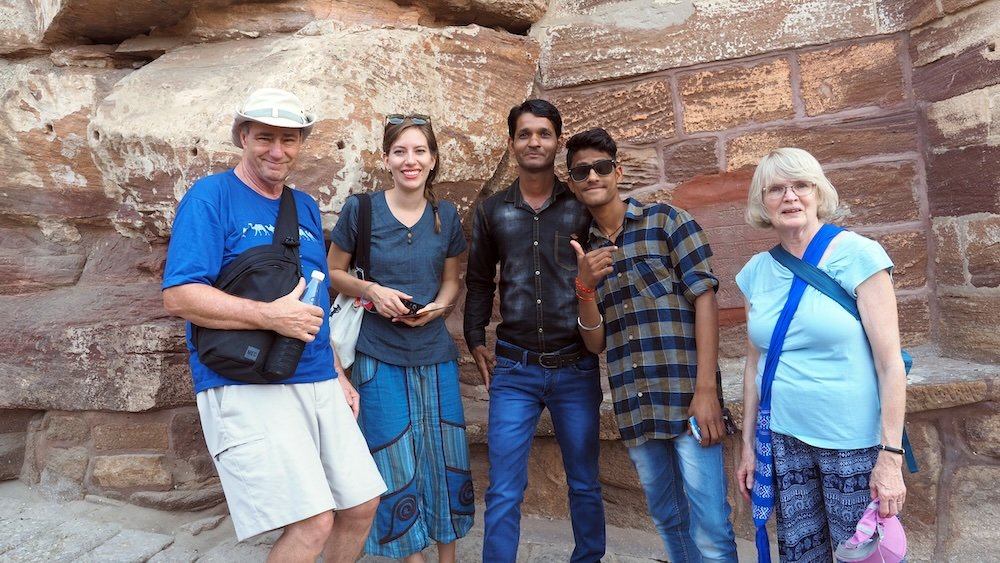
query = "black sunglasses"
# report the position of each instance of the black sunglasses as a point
(416, 118)
(602, 167)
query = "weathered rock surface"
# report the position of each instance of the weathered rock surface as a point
(136, 436)
(964, 138)
(963, 314)
(153, 27)
(91, 180)
(637, 112)
(922, 489)
(849, 140)
(586, 42)
(727, 97)
(853, 76)
(895, 200)
(103, 347)
(131, 470)
(181, 499)
(975, 509)
(468, 79)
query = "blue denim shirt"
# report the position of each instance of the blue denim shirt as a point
(412, 261)
(537, 269)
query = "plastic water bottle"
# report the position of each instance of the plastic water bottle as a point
(286, 352)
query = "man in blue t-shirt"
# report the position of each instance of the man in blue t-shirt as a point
(289, 455)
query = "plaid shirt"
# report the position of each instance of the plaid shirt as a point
(648, 304)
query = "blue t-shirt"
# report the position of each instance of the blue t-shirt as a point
(825, 389)
(218, 219)
(412, 261)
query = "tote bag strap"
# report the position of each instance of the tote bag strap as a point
(361, 259)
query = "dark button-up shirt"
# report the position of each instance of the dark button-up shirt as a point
(662, 265)
(537, 269)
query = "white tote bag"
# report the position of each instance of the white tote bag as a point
(347, 312)
(346, 315)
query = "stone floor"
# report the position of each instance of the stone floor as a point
(98, 530)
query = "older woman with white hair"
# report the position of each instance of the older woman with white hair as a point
(824, 394)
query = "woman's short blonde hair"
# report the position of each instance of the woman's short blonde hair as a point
(789, 164)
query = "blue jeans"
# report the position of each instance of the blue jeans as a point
(708, 534)
(518, 393)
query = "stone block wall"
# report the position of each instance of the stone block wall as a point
(695, 143)
(155, 459)
(897, 101)
(956, 79)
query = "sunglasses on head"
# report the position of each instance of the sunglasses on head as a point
(602, 167)
(416, 118)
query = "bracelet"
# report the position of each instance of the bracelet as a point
(364, 291)
(584, 297)
(590, 328)
(890, 449)
(580, 287)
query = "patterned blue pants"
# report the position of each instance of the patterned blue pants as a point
(820, 496)
(413, 420)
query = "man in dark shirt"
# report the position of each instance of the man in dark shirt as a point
(540, 359)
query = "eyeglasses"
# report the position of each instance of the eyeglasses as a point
(416, 118)
(776, 193)
(602, 167)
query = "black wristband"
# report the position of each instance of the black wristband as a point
(890, 449)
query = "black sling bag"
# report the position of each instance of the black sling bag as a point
(262, 273)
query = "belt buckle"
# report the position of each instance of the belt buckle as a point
(544, 361)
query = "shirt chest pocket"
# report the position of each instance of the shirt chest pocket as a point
(652, 276)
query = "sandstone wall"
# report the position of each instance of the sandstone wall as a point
(697, 92)
(109, 110)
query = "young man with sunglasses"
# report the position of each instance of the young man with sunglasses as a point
(540, 359)
(646, 292)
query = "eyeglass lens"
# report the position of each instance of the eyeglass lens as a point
(602, 167)
(798, 188)
(416, 119)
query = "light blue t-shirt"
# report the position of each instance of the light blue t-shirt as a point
(825, 389)
(218, 219)
(412, 261)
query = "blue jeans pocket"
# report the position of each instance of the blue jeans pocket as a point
(504, 365)
(587, 365)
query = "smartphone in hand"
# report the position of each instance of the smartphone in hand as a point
(695, 429)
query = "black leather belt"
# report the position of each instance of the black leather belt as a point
(548, 361)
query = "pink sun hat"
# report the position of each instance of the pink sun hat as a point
(876, 539)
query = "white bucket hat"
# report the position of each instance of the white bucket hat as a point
(276, 107)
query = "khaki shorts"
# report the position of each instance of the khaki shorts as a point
(286, 452)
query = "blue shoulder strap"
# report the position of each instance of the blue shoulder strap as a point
(816, 278)
(762, 498)
(829, 287)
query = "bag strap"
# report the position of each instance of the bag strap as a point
(286, 229)
(823, 282)
(817, 278)
(361, 259)
(763, 488)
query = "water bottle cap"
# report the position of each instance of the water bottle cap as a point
(318, 275)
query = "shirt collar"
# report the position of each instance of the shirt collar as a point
(514, 193)
(633, 212)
